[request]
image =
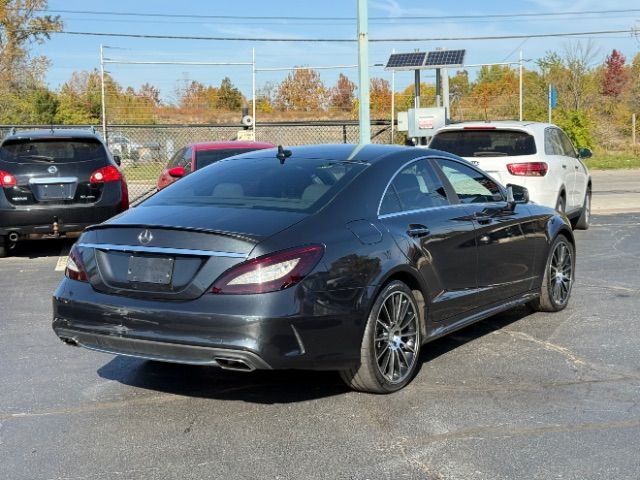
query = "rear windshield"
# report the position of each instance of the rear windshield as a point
(56, 150)
(207, 157)
(485, 143)
(300, 185)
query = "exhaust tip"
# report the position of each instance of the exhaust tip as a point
(70, 341)
(233, 364)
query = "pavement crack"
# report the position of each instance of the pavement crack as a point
(190, 426)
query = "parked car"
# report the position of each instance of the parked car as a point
(538, 156)
(198, 155)
(326, 257)
(56, 182)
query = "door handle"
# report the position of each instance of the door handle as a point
(564, 166)
(482, 218)
(417, 230)
(576, 167)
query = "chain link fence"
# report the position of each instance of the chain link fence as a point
(145, 149)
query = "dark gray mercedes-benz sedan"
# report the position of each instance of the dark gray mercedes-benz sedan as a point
(331, 257)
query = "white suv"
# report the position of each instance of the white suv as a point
(538, 156)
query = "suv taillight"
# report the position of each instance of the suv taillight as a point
(528, 169)
(7, 180)
(270, 273)
(75, 269)
(106, 174)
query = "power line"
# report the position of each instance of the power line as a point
(391, 19)
(330, 40)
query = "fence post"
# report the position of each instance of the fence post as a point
(344, 133)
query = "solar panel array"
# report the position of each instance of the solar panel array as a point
(444, 58)
(408, 61)
(420, 60)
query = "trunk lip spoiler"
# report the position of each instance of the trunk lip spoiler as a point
(165, 250)
(246, 237)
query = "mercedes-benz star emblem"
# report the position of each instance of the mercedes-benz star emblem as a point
(145, 237)
(52, 169)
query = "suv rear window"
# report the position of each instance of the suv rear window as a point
(58, 150)
(485, 143)
(207, 157)
(299, 184)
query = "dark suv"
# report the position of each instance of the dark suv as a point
(56, 181)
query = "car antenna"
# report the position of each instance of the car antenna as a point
(283, 154)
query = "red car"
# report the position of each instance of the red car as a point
(198, 155)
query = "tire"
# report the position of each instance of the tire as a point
(4, 246)
(556, 287)
(3, 251)
(561, 204)
(583, 221)
(388, 364)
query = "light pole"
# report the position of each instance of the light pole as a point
(363, 73)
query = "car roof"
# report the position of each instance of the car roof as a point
(369, 153)
(204, 146)
(52, 133)
(498, 124)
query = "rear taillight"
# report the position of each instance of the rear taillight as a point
(75, 269)
(269, 273)
(7, 180)
(106, 174)
(528, 169)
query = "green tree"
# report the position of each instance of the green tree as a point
(229, 97)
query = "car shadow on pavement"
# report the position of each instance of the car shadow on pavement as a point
(50, 247)
(271, 387)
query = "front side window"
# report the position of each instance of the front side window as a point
(415, 187)
(470, 185)
(185, 162)
(567, 146)
(175, 160)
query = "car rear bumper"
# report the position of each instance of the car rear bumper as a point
(40, 220)
(288, 329)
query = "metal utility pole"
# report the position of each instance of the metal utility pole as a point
(253, 90)
(102, 96)
(521, 82)
(416, 89)
(363, 72)
(393, 102)
(444, 81)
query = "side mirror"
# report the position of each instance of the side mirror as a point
(585, 153)
(117, 159)
(177, 172)
(517, 194)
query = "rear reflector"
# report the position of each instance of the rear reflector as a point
(106, 174)
(269, 273)
(7, 180)
(528, 169)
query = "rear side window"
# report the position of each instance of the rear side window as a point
(299, 184)
(485, 143)
(415, 187)
(52, 151)
(207, 157)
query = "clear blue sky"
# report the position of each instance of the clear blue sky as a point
(69, 53)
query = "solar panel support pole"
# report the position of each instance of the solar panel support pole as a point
(363, 73)
(416, 90)
(445, 89)
(393, 103)
(438, 88)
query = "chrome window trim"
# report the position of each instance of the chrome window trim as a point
(166, 250)
(419, 210)
(387, 215)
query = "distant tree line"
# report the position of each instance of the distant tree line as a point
(594, 106)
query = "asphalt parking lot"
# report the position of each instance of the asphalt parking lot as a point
(520, 395)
